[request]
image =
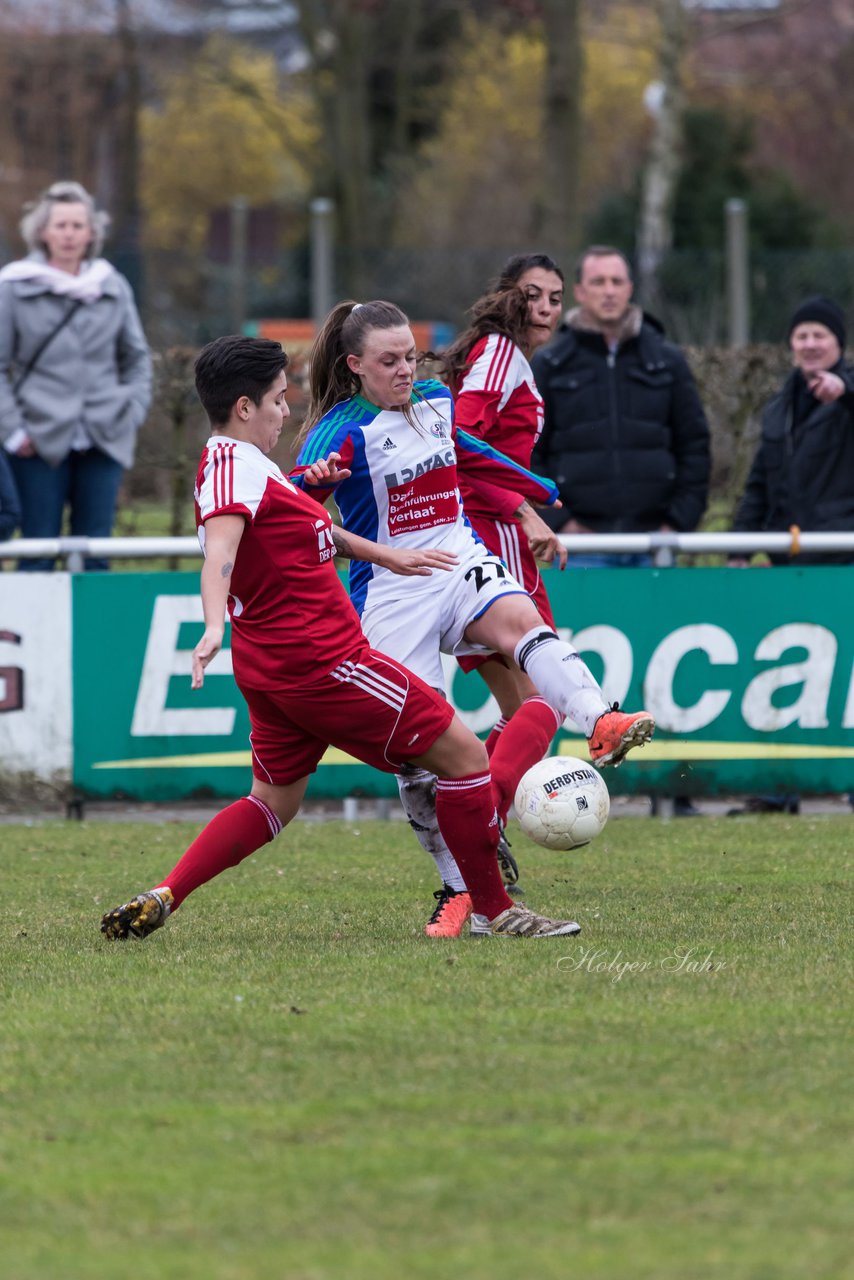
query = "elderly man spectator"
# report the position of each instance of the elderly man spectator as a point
(803, 470)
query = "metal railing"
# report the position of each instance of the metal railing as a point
(663, 547)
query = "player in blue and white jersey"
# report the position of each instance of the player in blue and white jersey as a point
(393, 453)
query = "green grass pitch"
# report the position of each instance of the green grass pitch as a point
(289, 1082)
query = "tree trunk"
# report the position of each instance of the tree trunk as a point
(126, 205)
(667, 101)
(559, 221)
(338, 37)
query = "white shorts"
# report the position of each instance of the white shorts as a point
(428, 616)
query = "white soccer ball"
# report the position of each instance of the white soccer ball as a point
(562, 802)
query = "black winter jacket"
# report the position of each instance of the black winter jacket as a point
(625, 436)
(803, 469)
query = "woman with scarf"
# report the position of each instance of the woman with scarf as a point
(75, 371)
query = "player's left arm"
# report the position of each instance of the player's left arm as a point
(408, 563)
(222, 539)
(502, 481)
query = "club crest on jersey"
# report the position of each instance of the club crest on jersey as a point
(438, 430)
(394, 479)
(325, 541)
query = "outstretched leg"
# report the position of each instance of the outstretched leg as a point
(234, 834)
(512, 626)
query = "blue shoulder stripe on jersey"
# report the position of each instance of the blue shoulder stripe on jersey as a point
(428, 387)
(319, 441)
(473, 444)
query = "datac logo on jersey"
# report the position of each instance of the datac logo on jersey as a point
(396, 479)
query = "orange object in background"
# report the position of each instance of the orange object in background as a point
(285, 331)
(430, 335)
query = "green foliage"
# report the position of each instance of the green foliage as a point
(718, 166)
(224, 129)
(476, 177)
(289, 1080)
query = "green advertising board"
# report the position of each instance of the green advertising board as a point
(748, 672)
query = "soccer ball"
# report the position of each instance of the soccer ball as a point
(562, 803)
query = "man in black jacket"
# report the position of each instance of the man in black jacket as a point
(803, 470)
(625, 436)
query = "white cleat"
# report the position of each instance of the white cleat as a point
(522, 923)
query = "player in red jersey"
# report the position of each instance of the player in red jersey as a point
(301, 660)
(487, 368)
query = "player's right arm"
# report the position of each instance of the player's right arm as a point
(222, 538)
(323, 462)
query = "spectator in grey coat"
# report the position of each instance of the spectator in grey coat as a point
(75, 371)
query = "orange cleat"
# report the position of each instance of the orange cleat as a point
(452, 911)
(616, 732)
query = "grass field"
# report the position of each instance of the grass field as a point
(290, 1081)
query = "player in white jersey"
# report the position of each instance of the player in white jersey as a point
(391, 444)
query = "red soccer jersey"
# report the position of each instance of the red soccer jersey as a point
(498, 400)
(291, 617)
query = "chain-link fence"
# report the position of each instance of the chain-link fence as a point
(187, 303)
(188, 300)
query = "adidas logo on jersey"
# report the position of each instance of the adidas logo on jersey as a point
(388, 444)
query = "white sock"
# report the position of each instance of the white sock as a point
(418, 797)
(563, 679)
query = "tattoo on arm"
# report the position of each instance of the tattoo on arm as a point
(342, 546)
(226, 569)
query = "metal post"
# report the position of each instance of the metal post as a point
(322, 211)
(239, 225)
(737, 273)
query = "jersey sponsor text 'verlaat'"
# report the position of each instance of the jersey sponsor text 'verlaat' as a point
(403, 489)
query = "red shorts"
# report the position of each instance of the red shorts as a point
(505, 539)
(369, 706)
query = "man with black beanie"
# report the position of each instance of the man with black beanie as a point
(803, 470)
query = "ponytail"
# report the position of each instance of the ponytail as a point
(330, 378)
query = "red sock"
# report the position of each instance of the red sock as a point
(465, 809)
(494, 736)
(227, 839)
(525, 740)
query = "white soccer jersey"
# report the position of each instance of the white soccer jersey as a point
(403, 488)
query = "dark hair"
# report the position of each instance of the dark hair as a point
(234, 366)
(330, 379)
(502, 309)
(599, 251)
